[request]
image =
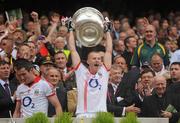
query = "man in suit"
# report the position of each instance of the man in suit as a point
(153, 105)
(144, 87)
(6, 102)
(118, 103)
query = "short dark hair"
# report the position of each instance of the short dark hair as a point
(156, 54)
(175, 63)
(126, 40)
(147, 70)
(93, 51)
(3, 62)
(23, 63)
(118, 56)
(21, 45)
(60, 52)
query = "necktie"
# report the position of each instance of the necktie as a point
(7, 89)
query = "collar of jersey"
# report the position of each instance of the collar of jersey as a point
(36, 80)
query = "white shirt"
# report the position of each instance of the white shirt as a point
(92, 90)
(34, 99)
(175, 56)
(3, 53)
(114, 87)
(162, 72)
(2, 82)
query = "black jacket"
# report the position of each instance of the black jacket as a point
(173, 93)
(6, 104)
(152, 106)
(62, 97)
(112, 103)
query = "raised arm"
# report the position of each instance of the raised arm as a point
(34, 16)
(55, 21)
(108, 53)
(74, 54)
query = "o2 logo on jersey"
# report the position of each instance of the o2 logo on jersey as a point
(93, 83)
(27, 101)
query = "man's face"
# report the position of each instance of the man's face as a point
(7, 45)
(24, 52)
(121, 62)
(18, 37)
(168, 45)
(30, 26)
(122, 36)
(33, 49)
(120, 47)
(160, 85)
(62, 32)
(94, 59)
(165, 24)
(156, 63)
(24, 76)
(174, 31)
(150, 33)
(53, 76)
(175, 72)
(140, 22)
(132, 43)
(117, 24)
(4, 71)
(147, 79)
(115, 75)
(44, 22)
(60, 60)
(44, 68)
(59, 43)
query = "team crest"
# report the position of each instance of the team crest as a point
(100, 74)
(21, 93)
(36, 92)
(145, 52)
(158, 50)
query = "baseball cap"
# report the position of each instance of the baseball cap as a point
(145, 65)
(46, 60)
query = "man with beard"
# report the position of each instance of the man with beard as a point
(144, 52)
(92, 81)
(19, 36)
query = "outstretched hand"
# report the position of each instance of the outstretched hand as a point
(108, 26)
(146, 22)
(132, 108)
(69, 24)
(34, 16)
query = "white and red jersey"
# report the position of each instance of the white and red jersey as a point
(92, 90)
(34, 98)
